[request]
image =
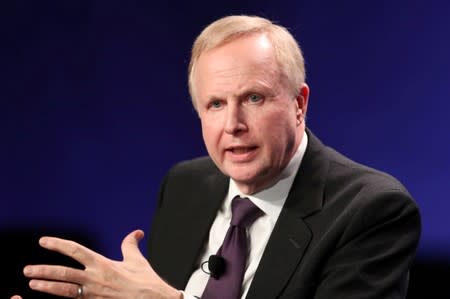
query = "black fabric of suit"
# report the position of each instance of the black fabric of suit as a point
(345, 231)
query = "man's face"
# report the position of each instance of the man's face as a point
(251, 122)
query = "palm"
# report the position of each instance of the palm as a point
(101, 277)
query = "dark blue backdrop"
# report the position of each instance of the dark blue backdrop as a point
(95, 109)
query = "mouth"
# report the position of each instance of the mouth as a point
(241, 153)
(241, 149)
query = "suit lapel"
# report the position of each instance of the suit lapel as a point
(199, 216)
(291, 235)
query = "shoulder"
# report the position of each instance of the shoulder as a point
(343, 172)
(200, 165)
(359, 176)
(354, 188)
(359, 199)
(192, 177)
(195, 171)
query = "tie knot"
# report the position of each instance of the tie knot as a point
(244, 212)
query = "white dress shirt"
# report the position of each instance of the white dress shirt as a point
(270, 201)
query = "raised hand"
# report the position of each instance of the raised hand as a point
(101, 277)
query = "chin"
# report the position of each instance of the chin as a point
(245, 178)
(245, 173)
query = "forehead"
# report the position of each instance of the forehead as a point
(249, 58)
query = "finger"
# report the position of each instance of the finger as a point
(53, 272)
(57, 288)
(130, 246)
(78, 252)
(16, 297)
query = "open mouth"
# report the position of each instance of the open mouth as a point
(241, 153)
(241, 150)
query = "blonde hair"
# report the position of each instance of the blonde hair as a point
(287, 51)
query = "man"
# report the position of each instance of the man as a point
(328, 227)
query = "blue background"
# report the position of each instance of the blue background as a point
(95, 108)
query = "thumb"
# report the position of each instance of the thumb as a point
(130, 248)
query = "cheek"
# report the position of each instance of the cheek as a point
(277, 132)
(211, 133)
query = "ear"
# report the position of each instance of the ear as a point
(302, 102)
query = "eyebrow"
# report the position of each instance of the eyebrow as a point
(252, 87)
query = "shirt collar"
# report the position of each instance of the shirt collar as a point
(272, 199)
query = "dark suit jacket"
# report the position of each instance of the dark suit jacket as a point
(345, 231)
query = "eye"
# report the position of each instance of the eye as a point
(254, 98)
(215, 104)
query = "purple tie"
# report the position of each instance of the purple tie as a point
(234, 250)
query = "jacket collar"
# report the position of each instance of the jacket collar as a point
(291, 235)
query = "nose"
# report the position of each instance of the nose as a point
(235, 120)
